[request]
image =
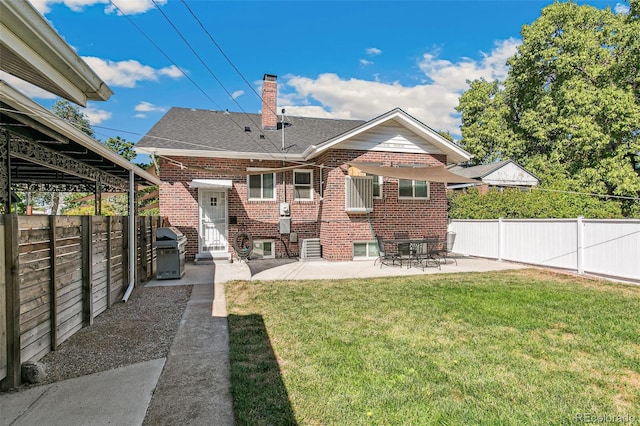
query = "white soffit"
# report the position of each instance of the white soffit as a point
(211, 183)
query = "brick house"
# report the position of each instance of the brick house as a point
(299, 186)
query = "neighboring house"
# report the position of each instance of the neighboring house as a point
(501, 174)
(299, 185)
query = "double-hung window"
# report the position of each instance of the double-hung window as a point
(377, 185)
(262, 187)
(408, 188)
(303, 185)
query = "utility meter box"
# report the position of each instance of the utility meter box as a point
(285, 209)
(285, 225)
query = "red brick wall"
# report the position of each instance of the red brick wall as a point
(338, 229)
(324, 218)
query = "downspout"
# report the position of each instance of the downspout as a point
(132, 237)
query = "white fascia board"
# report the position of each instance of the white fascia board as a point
(25, 52)
(454, 153)
(22, 20)
(171, 152)
(22, 103)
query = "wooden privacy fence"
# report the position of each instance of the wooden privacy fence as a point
(609, 247)
(58, 274)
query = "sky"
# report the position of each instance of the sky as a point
(353, 59)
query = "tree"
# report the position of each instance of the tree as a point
(121, 146)
(569, 109)
(72, 114)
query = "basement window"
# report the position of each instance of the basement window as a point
(365, 250)
(263, 249)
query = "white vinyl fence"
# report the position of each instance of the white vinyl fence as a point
(596, 246)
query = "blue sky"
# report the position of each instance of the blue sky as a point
(343, 59)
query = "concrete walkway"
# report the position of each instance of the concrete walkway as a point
(192, 385)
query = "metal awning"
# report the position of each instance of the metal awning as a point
(427, 173)
(46, 149)
(211, 183)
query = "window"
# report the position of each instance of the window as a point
(365, 249)
(377, 185)
(262, 187)
(263, 249)
(302, 187)
(408, 188)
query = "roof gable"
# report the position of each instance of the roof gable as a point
(395, 131)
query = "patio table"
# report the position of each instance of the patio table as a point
(422, 250)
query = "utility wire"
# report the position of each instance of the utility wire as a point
(179, 68)
(213, 40)
(197, 55)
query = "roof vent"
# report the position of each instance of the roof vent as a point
(261, 136)
(247, 128)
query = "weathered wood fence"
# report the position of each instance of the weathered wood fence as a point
(57, 273)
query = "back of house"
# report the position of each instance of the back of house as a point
(291, 186)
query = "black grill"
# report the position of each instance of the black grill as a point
(171, 246)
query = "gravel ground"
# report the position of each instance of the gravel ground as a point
(142, 329)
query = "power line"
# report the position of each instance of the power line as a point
(213, 40)
(180, 69)
(197, 55)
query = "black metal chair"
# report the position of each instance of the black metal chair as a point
(384, 256)
(405, 251)
(444, 252)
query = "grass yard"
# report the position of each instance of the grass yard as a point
(504, 348)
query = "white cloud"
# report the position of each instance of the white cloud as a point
(127, 73)
(432, 102)
(149, 107)
(132, 7)
(373, 51)
(95, 115)
(171, 71)
(364, 62)
(237, 94)
(127, 7)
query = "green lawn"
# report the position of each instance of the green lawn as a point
(512, 348)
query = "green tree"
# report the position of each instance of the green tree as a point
(121, 146)
(72, 114)
(569, 109)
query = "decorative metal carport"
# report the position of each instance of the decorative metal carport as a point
(41, 152)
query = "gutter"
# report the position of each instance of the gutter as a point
(132, 237)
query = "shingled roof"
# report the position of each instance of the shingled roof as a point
(216, 131)
(478, 172)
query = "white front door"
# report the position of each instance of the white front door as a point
(213, 221)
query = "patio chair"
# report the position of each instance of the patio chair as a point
(383, 255)
(444, 252)
(405, 251)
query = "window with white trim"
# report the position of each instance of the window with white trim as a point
(303, 185)
(365, 249)
(377, 185)
(418, 189)
(262, 187)
(413, 189)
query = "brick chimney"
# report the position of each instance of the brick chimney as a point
(269, 102)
